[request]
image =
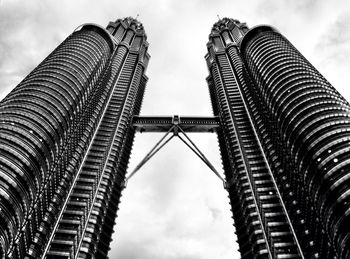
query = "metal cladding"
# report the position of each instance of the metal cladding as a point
(285, 145)
(65, 140)
(67, 129)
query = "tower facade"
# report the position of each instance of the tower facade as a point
(284, 141)
(67, 129)
(65, 140)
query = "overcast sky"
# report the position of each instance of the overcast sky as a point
(175, 207)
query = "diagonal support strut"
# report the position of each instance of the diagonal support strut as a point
(150, 154)
(175, 129)
(197, 151)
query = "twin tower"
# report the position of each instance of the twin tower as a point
(66, 132)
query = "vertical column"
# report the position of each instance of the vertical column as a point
(264, 229)
(311, 119)
(85, 223)
(40, 121)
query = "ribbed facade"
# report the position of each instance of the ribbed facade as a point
(284, 143)
(65, 140)
(66, 133)
(263, 227)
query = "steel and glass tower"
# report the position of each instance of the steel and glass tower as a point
(285, 142)
(67, 129)
(65, 140)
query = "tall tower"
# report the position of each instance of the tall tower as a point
(65, 140)
(284, 141)
(67, 129)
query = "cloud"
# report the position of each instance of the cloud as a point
(334, 44)
(174, 207)
(24, 40)
(336, 34)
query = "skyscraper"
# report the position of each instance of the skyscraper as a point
(67, 129)
(65, 140)
(284, 141)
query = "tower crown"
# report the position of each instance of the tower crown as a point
(229, 24)
(127, 23)
(132, 23)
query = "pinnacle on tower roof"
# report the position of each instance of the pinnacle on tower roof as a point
(132, 22)
(228, 23)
